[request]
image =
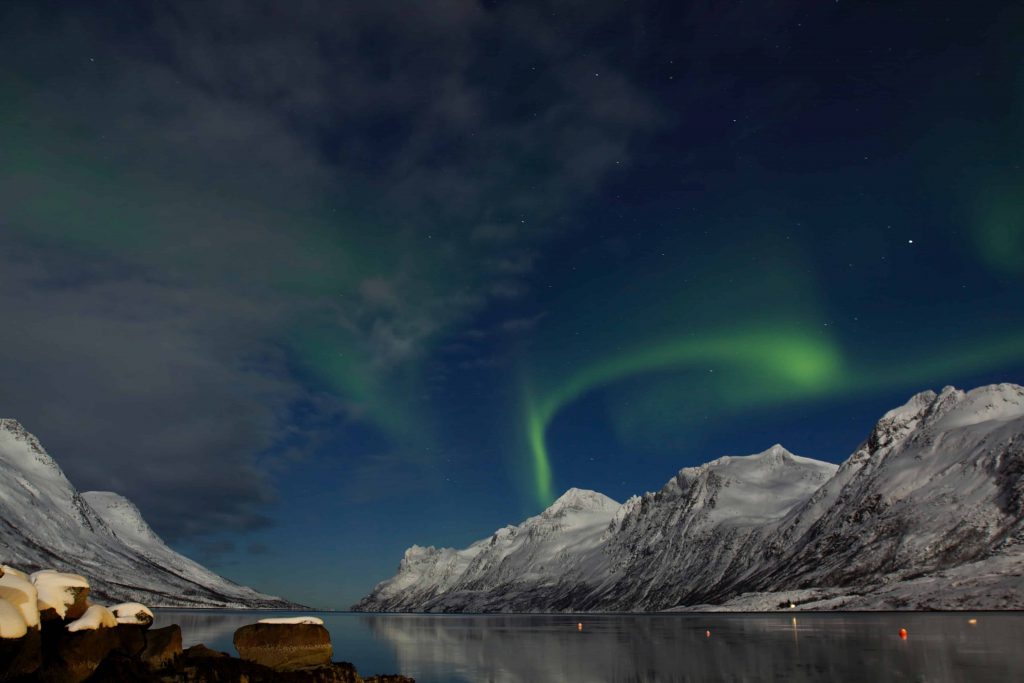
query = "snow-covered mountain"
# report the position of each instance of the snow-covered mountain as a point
(46, 523)
(543, 560)
(927, 512)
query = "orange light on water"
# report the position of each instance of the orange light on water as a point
(579, 626)
(707, 634)
(972, 622)
(903, 633)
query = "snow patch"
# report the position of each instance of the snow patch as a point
(317, 621)
(57, 590)
(97, 616)
(7, 569)
(12, 625)
(22, 594)
(132, 613)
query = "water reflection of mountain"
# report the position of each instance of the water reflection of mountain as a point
(620, 649)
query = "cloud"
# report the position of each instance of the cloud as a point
(164, 392)
(203, 182)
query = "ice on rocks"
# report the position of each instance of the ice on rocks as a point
(97, 616)
(57, 590)
(12, 625)
(132, 613)
(20, 593)
(293, 620)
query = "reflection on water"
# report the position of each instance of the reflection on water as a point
(627, 648)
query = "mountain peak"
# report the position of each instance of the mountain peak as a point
(580, 500)
(776, 453)
(18, 431)
(947, 409)
(21, 449)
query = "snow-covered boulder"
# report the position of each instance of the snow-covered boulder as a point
(293, 620)
(132, 613)
(12, 624)
(284, 646)
(61, 592)
(7, 569)
(22, 594)
(97, 616)
(20, 645)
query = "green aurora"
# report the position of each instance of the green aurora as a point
(763, 367)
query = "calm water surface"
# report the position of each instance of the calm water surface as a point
(628, 648)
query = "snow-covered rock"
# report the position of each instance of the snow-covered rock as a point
(12, 624)
(132, 613)
(100, 535)
(6, 569)
(928, 513)
(19, 591)
(59, 590)
(97, 616)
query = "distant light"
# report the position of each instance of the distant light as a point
(579, 626)
(791, 605)
(903, 633)
(972, 622)
(707, 634)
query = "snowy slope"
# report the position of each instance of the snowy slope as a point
(705, 526)
(588, 552)
(936, 485)
(544, 559)
(927, 513)
(46, 523)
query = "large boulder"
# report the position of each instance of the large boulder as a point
(132, 613)
(20, 656)
(61, 595)
(17, 590)
(72, 656)
(200, 651)
(284, 647)
(163, 646)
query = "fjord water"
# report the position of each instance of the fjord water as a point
(657, 647)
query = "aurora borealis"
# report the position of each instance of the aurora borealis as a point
(330, 279)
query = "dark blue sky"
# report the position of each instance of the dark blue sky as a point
(313, 282)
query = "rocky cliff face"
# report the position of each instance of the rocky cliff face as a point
(46, 523)
(936, 485)
(929, 505)
(703, 528)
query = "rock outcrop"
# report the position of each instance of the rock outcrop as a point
(111, 645)
(284, 647)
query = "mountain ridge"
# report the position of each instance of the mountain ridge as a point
(933, 497)
(45, 522)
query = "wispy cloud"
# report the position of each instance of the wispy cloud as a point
(187, 185)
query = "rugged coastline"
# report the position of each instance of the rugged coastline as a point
(50, 632)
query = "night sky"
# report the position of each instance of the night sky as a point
(312, 282)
